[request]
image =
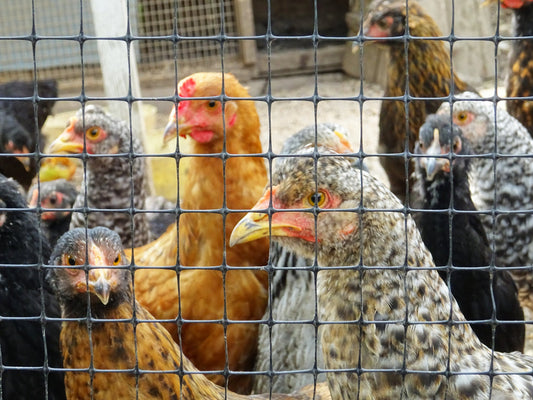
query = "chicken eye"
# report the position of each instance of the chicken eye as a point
(116, 261)
(462, 116)
(212, 104)
(69, 260)
(53, 199)
(316, 199)
(93, 132)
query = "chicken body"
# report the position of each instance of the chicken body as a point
(520, 79)
(504, 184)
(482, 294)
(123, 336)
(24, 350)
(425, 74)
(293, 347)
(112, 178)
(210, 183)
(378, 277)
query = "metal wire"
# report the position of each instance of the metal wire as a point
(170, 37)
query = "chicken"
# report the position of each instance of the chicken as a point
(403, 335)
(444, 185)
(108, 330)
(18, 131)
(210, 183)
(51, 196)
(28, 346)
(293, 347)
(427, 75)
(17, 142)
(112, 177)
(520, 79)
(23, 110)
(504, 184)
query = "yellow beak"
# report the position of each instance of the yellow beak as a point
(256, 225)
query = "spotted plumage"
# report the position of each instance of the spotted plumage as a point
(379, 278)
(294, 347)
(109, 330)
(113, 176)
(503, 184)
(457, 240)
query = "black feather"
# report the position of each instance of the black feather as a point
(23, 291)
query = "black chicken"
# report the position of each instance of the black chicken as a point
(57, 198)
(23, 292)
(443, 183)
(18, 119)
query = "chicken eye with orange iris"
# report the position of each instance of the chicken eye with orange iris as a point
(317, 199)
(462, 116)
(93, 132)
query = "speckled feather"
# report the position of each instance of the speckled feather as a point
(391, 286)
(293, 347)
(429, 72)
(505, 184)
(109, 179)
(124, 338)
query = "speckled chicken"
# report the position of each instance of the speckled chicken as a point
(429, 76)
(147, 363)
(112, 177)
(28, 347)
(209, 182)
(56, 198)
(520, 79)
(294, 347)
(377, 275)
(504, 184)
(459, 239)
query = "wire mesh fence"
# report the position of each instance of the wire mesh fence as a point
(329, 288)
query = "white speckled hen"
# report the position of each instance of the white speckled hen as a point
(504, 183)
(26, 345)
(293, 347)
(378, 276)
(112, 175)
(482, 294)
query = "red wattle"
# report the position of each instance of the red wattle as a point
(202, 136)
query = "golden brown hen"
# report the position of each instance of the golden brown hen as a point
(520, 81)
(120, 352)
(427, 75)
(209, 183)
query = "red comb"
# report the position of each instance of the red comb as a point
(187, 88)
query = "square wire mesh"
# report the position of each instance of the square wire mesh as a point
(172, 32)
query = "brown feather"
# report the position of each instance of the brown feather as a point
(202, 239)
